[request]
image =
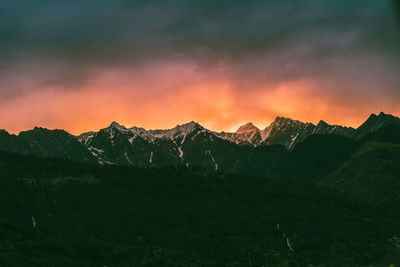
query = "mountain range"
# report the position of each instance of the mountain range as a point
(189, 196)
(189, 145)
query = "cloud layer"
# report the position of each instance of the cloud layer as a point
(78, 66)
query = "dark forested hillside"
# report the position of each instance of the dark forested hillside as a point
(60, 213)
(320, 155)
(372, 173)
(330, 201)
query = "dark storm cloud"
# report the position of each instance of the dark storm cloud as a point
(396, 10)
(64, 42)
(100, 30)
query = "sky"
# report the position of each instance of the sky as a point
(79, 65)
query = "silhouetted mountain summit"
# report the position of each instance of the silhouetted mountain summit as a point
(375, 122)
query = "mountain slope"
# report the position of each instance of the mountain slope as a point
(317, 156)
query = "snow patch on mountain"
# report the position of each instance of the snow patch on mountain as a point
(86, 137)
(282, 131)
(213, 159)
(184, 138)
(127, 158)
(247, 134)
(95, 151)
(105, 162)
(33, 222)
(174, 133)
(153, 135)
(180, 152)
(293, 140)
(289, 244)
(198, 133)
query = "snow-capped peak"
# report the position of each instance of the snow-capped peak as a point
(117, 126)
(246, 134)
(281, 121)
(152, 135)
(179, 130)
(188, 127)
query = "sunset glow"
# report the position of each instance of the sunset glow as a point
(157, 75)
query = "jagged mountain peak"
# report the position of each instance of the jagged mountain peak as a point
(373, 117)
(178, 130)
(322, 123)
(281, 119)
(248, 127)
(38, 129)
(381, 115)
(375, 122)
(44, 131)
(138, 130)
(190, 126)
(286, 121)
(282, 122)
(325, 128)
(286, 131)
(116, 125)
